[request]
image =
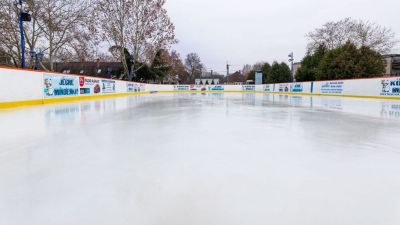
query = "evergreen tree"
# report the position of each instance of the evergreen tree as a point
(280, 73)
(371, 63)
(252, 75)
(160, 65)
(349, 62)
(310, 65)
(266, 71)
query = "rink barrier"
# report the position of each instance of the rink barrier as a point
(27, 87)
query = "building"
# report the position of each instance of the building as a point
(296, 67)
(392, 64)
(207, 81)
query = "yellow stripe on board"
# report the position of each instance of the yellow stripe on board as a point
(16, 104)
(335, 95)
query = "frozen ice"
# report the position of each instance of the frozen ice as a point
(202, 159)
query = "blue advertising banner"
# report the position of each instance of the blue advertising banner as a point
(56, 85)
(390, 87)
(248, 87)
(216, 88)
(296, 87)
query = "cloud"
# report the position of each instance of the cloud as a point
(250, 31)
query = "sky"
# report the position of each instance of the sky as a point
(250, 31)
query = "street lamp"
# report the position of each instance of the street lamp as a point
(36, 57)
(131, 73)
(291, 60)
(23, 17)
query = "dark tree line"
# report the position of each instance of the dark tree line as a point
(345, 62)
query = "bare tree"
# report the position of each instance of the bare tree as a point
(152, 29)
(142, 27)
(177, 67)
(361, 33)
(113, 25)
(61, 22)
(193, 66)
(10, 34)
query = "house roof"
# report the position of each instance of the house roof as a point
(102, 69)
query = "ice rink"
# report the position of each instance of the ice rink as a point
(202, 159)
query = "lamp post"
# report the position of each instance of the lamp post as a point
(23, 17)
(33, 57)
(291, 60)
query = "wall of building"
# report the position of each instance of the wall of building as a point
(41, 87)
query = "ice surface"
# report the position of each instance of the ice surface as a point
(202, 159)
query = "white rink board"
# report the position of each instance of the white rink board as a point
(24, 85)
(17, 85)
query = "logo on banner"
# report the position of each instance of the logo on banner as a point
(390, 87)
(81, 81)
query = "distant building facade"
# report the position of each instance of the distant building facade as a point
(296, 67)
(392, 64)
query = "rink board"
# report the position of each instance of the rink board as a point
(25, 87)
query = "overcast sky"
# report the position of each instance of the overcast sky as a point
(249, 31)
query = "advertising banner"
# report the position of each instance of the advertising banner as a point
(216, 88)
(88, 85)
(332, 87)
(283, 87)
(296, 87)
(132, 87)
(56, 85)
(108, 86)
(268, 88)
(198, 88)
(181, 88)
(248, 87)
(390, 87)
